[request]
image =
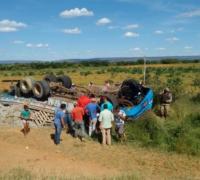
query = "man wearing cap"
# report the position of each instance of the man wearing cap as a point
(91, 109)
(165, 101)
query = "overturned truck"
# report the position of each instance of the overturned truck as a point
(46, 95)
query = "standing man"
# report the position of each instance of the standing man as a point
(59, 122)
(25, 116)
(77, 116)
(165, 100)
(105, 118)
(92, 109)
(109, 104)
(120, 118)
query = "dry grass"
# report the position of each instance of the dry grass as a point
(100, 78)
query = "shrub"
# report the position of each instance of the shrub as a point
(61, 72)
(196, 82)
(169, 135)
(31, 73)
(147, 131)
(176, 86)
(86, 73)
(196, 98)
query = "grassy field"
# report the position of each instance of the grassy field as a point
(157, 74)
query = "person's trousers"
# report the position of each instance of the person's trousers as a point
(92, 126)
(106, 136)
(164, 109)
(69, 122)
(79, 129)
(58, 130)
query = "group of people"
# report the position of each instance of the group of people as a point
(93, 117)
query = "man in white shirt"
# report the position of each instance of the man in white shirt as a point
(106, 118)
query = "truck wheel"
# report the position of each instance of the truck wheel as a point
(50, 78)
(26, 85)
(65, 80)
(17, 91)
(41, 89)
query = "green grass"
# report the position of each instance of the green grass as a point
(22, 174)
(180, 132)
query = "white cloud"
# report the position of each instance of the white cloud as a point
(172, 39)
(158, 32)
(18, 42)
(11, 26)
(190, 14)
(131, 26)
(72, 31)
(103, 21)
(131, 34)
(160, 49)
(188, 47)
(39, 45)
(76, 12)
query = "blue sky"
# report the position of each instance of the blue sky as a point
(65, 29)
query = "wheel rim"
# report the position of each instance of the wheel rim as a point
(37, 89)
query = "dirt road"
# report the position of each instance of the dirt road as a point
(38, 154)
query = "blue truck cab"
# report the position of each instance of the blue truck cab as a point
(144, 105)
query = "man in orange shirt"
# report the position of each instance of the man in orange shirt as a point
(77, 116)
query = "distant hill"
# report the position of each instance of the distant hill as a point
(110, 59)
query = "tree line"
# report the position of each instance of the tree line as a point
(96, 63)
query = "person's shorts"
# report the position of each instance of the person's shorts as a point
(94, 119)
(24, 121)
(120, 129)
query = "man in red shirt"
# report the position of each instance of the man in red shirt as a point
(77, 116)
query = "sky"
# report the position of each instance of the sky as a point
(69, 29)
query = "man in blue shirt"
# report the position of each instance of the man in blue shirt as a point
(109, 104)
(92, 109)
(59, 122)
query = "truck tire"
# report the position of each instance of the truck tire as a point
(41, 89)
(50, 78)
(26, 85)
(65, 80)
(17, 90)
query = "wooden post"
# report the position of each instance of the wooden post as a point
(144, 70)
